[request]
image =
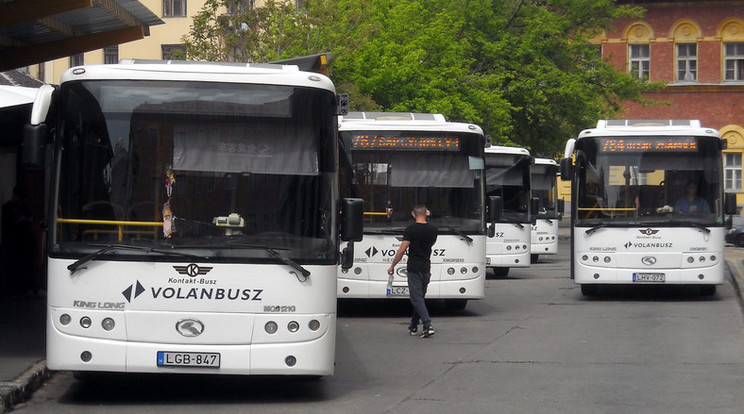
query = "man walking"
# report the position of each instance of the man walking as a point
(418, 238)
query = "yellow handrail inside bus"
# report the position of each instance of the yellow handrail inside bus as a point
(374, 213)
(119, 223)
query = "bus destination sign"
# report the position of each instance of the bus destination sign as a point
(643, 144)
(423, 142)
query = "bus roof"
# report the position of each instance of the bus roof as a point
(646, 127)
(497, 149)
(396, 121)
(222, 72)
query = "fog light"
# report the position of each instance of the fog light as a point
(290, 361)
(293, 326)
(463, 290)
(345, 289)
(584, 257)
(451, 271)
(86, 356)
(701, 276)
(271, 327)
(463, 270)
(508, 248)
(596, 275)
(65, 319)
(541, 239)
(314, 325)
(595, 259)
(108, 324)
(85, 322)
(524, 246)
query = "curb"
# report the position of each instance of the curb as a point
(735, 267)
(20, 389)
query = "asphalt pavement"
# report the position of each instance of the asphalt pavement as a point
(23, 338)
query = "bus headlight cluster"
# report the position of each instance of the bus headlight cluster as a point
(272, 327)
(463, 270)
(596, 259)
(108, 324)
(516, 247)
(546, 238)
(701, 259)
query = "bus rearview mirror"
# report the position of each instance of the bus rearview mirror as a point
(352, 219)
(566, 169)
(495, 208)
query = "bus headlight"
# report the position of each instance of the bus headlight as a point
(271, 327)
(451, 271)
(108, 324)
(314, 325)
(85, 322)
(65, 319)
(293, 326)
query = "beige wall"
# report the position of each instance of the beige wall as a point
(148, 48)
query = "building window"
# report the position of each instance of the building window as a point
(173, 52)
(77, 60)
(111, 55)
(734, 61)
(640, 61)
(174, 8)
(686, 62)
(732, 168)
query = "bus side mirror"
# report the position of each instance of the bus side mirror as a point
(495, 208)
(729, 202)
(566, 169)
(561, 208)
(352, 219)
(534, 209)
(34, 145)
(347, 256)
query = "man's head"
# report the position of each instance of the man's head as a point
(419, 210)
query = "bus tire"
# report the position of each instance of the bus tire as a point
(707, 290)
(455, 304)
(534, 257)
(500, 272)
(589, 290)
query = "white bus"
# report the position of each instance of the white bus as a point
(508, 180)
(400, 160)
(636, 216)
(193, 220)
(545, 188)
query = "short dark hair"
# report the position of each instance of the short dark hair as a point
(420, 210)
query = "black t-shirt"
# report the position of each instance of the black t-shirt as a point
(422, 236)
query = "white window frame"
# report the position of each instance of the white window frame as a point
(639, 60)
(732, 171)
(687, 59)
(733, 61)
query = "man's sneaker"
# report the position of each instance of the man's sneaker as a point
(427, 332)
(413, 331)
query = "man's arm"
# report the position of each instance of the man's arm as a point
(398, 255)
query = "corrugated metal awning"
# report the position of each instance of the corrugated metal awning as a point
(35, 31)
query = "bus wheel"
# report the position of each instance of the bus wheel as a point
(500, 272)
(456, 304)
(708, 290)
(534, 257)
(589, 290)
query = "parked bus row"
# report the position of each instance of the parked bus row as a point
(204, 218)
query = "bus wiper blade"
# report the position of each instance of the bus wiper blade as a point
(702, 227)
(461, 234)
(393, 231)
(595, 228)
(107, 248)
(275, 254)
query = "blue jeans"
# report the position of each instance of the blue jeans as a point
(417, 284)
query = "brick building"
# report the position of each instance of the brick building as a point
(697, 49)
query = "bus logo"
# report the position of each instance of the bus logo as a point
(190, 328)
(648, 232)
(648, 260)
(192, 270)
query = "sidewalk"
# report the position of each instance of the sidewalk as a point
(22, 349)
(23, 337)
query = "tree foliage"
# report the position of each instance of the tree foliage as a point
(525, 70)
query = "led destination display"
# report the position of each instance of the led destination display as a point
(649, 144)
(423, 142)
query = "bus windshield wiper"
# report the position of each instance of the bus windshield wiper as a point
(595, 228)
(109, 247)
(702, 227)
(386, 230)
(275, 254)
(461, 234)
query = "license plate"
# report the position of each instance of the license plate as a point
(188, 359)
(397, 291)
(649, 277)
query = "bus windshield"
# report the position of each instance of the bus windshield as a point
(508, 176)
(221, 171)
(544, 187)
(395, 170)
(649, 180)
